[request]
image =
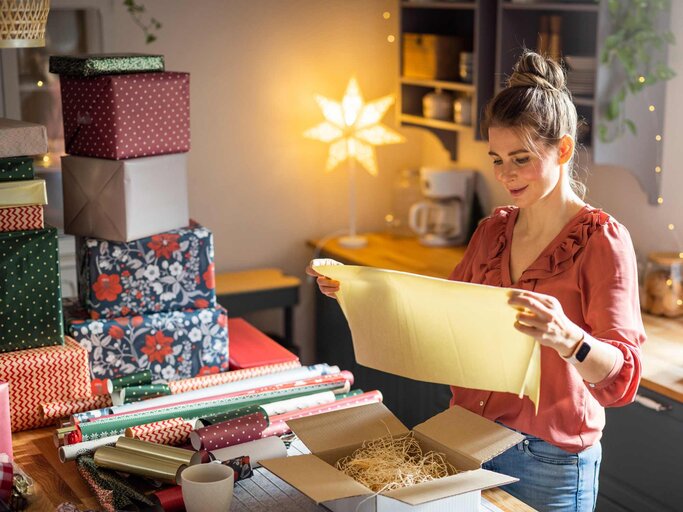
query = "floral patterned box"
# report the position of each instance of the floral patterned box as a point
(173, 345)
(165, 272)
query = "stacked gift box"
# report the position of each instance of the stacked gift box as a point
(145, 272)
(34, 358)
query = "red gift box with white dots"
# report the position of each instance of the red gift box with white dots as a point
(126, 116)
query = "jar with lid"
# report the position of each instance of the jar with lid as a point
(663, 284)
(405, 192)
(438, 105)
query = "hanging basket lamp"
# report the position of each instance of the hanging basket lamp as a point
(22, 23)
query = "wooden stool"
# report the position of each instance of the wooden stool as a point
(253, 290)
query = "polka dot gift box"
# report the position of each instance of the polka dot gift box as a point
(30, 295)
(126, 116)
(16, 168)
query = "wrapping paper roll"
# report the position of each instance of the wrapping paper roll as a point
(229, 433)
(278, 424)
(170, 499)
(117, 424)
(134, 379)
(61, 435)
(6, 480)
(84, 417)
(163, 470)
(217, 379)
(154, 450)
(236, 413)
(304, 372)
(170, 432)
(137, 393)
(5, 425)
(73, 451)
(258, 450)
(79, 405)
(295, 404)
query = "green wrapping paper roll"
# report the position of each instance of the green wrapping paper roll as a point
(105, 64)
(353, 392)
(134, 379)
(137, 393)
(116, 425)
(17, 168)
(229, 415)
(163, 470)
(155, 450)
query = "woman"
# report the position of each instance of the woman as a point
(573, 269)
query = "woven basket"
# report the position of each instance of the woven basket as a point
(22, 23)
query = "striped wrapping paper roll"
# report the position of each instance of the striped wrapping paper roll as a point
(229, 433)
(173, 432)
(117, 424)
(216, 379)
(64, 409)
(304, 372)
(134, 379)
(229, 415)
(278, 424)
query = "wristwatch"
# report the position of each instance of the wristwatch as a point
(579, 353)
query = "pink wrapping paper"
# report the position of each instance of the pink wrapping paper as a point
(278, 424)
(5, 425)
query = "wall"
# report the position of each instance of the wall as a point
(255, 69)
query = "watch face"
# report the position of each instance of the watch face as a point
(582, 352)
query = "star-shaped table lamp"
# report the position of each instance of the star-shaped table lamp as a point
(353, 129)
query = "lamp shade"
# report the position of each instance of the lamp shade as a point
(22, 23)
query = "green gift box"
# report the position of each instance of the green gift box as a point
(30, 294)
(16, 168)
(105, 64)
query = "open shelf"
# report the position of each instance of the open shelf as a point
(439, 5)
(553, 6)
(434, 123)
(439, 84)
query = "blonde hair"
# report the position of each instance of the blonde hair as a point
(537, 104)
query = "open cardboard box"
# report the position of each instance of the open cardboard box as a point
(466, 439)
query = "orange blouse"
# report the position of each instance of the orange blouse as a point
(590, 267)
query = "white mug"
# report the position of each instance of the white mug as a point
(435, 218)
(207, 487)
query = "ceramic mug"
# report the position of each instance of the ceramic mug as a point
(207, 487)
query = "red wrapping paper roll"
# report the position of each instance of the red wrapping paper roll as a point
(6, 480)
(171, 432)
(215, 379)
(67, 408)
(278, 424)
(229, 433)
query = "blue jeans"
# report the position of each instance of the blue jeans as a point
(551, 479)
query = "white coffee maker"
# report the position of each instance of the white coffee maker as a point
(444, 217)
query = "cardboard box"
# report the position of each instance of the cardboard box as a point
(19, 138)
(21, 218)
(22, 193)
(170, 271)
(431, 56)
(124, 200)
(466, 439)
(17, 168)
(41, 375)
(126, 116)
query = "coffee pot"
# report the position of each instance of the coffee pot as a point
(443, 218)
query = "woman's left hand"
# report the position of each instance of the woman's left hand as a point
(541, 317)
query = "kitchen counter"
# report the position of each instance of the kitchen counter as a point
(662, 354)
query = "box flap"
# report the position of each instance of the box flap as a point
(467, 481)
(315, 478)
(468, 433)
(346, 427)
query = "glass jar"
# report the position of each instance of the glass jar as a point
(404, 193)
(663, 284)
(438, 105)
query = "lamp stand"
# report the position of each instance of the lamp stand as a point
(352, 241)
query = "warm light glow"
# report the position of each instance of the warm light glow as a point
(39, 83)
(658, 169)
(669, 282)
(353, 128)
(680, 255)
(660, 200)
(651, 108)
(658, 138)
(391, 38)
(386, 15)
(671, 227)
(46, 158)
(679, 302)
(641, 79)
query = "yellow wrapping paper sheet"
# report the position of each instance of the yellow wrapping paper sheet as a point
(436, 330)
(22, 193)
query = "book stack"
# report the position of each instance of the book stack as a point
(146, 273)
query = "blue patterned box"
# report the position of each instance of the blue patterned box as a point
(173, 345)
(165, 272)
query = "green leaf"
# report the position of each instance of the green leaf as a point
(602, 133)
(150, 38)
(631, 126)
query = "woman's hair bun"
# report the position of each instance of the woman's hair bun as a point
(535, 70)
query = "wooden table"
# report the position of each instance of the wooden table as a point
(56, 483)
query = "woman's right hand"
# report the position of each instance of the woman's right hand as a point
(327, 286)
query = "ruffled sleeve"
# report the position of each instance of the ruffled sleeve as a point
(611, 309)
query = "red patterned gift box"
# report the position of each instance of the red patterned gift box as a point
(45, 374)
(126, 116)
(21, 218)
